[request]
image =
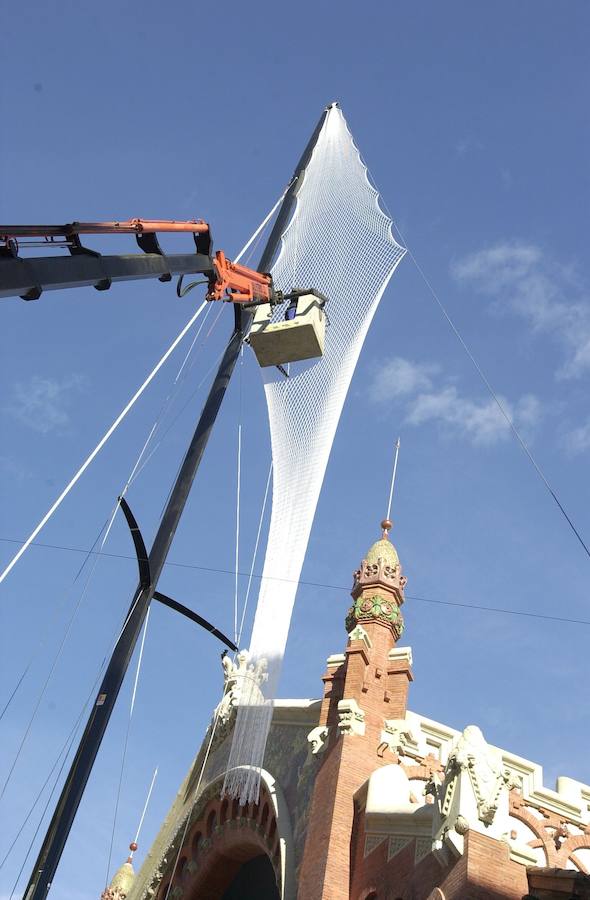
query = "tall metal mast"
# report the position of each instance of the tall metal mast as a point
(71, 795)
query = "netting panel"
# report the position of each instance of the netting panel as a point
(339, 241)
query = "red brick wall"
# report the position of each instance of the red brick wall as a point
(484, 872)
(333, 866)
(380, 689)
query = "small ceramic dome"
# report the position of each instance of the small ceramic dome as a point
(385, 551)
(123, 879)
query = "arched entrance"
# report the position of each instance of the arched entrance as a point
(256, 878)
(230, 852)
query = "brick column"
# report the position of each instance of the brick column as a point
(399, 676)
(362, 688)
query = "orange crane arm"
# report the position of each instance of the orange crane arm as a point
(227, 281)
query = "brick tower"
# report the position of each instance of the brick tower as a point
(363, 799)
(365, 691)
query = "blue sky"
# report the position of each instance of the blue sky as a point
(472, 119)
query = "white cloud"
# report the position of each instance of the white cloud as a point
(398, 377)
(41, 403)
(520, 278)
(466, 145)
(481, 421)
(578, 440)
(16, 471)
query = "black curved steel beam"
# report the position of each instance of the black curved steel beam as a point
(143, 562)
(195, 617)
(145, 579)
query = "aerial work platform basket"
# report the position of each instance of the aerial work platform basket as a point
(290, 339)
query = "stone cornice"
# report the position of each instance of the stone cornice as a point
(296, 712)
(399, 654)
(571, 800)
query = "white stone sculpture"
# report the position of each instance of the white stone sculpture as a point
(241, 684)
(318, 739)
(473, 795)
(352, 718)
(484, 764)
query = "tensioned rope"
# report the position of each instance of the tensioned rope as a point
(217, 711)
(318, 584)
(238, 632)
(132, 475)
(144, 810)
(238, 493)
(195, 796)
(126, 744)
(237, 259)
(67, 747)
(134, 472)
(237, 573)
(504, 412)
(169, 427)
(36, 652)
(166, 405)
(499, 404)
(129, 405)
(56, 659)
(102, 442)
(254, 555)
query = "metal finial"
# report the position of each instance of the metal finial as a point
(388, 516)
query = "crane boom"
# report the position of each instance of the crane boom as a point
(27, 277)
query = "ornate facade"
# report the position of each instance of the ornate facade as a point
(362, 798)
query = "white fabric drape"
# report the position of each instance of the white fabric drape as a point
(339, 241)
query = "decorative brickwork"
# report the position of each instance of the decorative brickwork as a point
(222, 838)
(553, 834)
(378, 589)
(362, 689)
(376, 606)
(385, 804)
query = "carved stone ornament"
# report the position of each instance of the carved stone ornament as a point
(318, 739)
(112, 894)
(472, 796)
(381, 567)
(376, 607)
(352, 718)
(358, 633)
(485, 768)
(461, 825)
(398, 736)
(242, 682)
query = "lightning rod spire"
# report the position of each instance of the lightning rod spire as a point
(387, 523)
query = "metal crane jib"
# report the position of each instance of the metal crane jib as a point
(28, 277)
(298, 335)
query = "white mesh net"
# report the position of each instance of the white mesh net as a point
(339, 242)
